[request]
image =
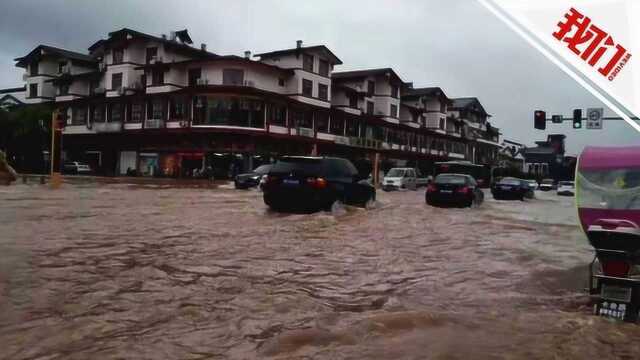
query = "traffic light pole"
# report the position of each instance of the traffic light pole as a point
(602, 118)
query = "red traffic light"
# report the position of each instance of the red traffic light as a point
(540, 120)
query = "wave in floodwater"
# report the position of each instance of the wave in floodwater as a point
(117, 270)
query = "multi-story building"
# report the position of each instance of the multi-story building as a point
(157, 105)
(470, 117)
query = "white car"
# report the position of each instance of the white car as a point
(566, 188)
(546, 185)
(75, 167)
(400, 178)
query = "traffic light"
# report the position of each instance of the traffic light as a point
(577, 119)
(540, 120)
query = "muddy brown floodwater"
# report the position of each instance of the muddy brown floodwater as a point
(118, 271)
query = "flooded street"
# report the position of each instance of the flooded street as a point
(93, 271)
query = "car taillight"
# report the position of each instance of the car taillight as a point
(617, 268)
(317, 183)
(463, 190)
(270, 179)
(431, 188)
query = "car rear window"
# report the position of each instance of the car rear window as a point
(450, 179)
(396, 173)
(262, 169)
(305, 166)
(509, 182)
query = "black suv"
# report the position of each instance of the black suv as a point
(314, 183)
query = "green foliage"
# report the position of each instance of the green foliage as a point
(24, 134)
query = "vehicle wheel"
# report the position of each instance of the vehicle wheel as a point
(236, 185)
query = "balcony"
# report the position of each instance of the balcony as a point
(154, 124)
(107, 127)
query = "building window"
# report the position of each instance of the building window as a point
(370, 107)
(118, 56)
(443, 107)
(277, 114)
(229, 111)
(441, 125)
(64, 89)
(157, 109)
(323, 67)
(395, 91)
(194, 75)
(116, 81)
(307, 87)
(353, 101)
(136, 114)
(97, 113)
(353, 128)
(371, 88)
(323, 91)
(33, 90)
(179, 108)
(233, 77)
(116, 112)
(300, 118)
(336, 126)
(151, 52)
(61, 66)
(157, 77)
(33, 69)
(322, 122)
(393, 110)
(79, 116)
(307, 62)
(280, 82)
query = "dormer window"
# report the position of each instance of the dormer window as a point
(371, 88)
(157, 77)
(395, 91)
(33, 90)
(118, 56)
(116, 81)
(152, 52)
(307, 62)
(194, 75)
(323, 67)
(61, 66)
(33, 69)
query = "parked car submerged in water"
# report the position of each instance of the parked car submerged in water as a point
(313, 183)
(252, 179)
(76, 167)
(400, 178)
(546, 185)
(566, 188)
(511, 188)
(454, 190)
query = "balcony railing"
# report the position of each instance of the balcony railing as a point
(154, 124)
(107, 127)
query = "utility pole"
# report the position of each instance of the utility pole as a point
(56, 178)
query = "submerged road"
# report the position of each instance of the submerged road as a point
(93, 271)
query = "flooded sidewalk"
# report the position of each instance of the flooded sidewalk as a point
(154, 271)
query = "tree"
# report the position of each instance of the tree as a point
(24, 135)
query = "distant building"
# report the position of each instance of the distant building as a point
(158, 105)
(510, 155)
(546, 158)
(12, 97)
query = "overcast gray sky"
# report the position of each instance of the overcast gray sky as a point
(455, 44)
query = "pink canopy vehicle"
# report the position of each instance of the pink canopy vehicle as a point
(608, 201)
